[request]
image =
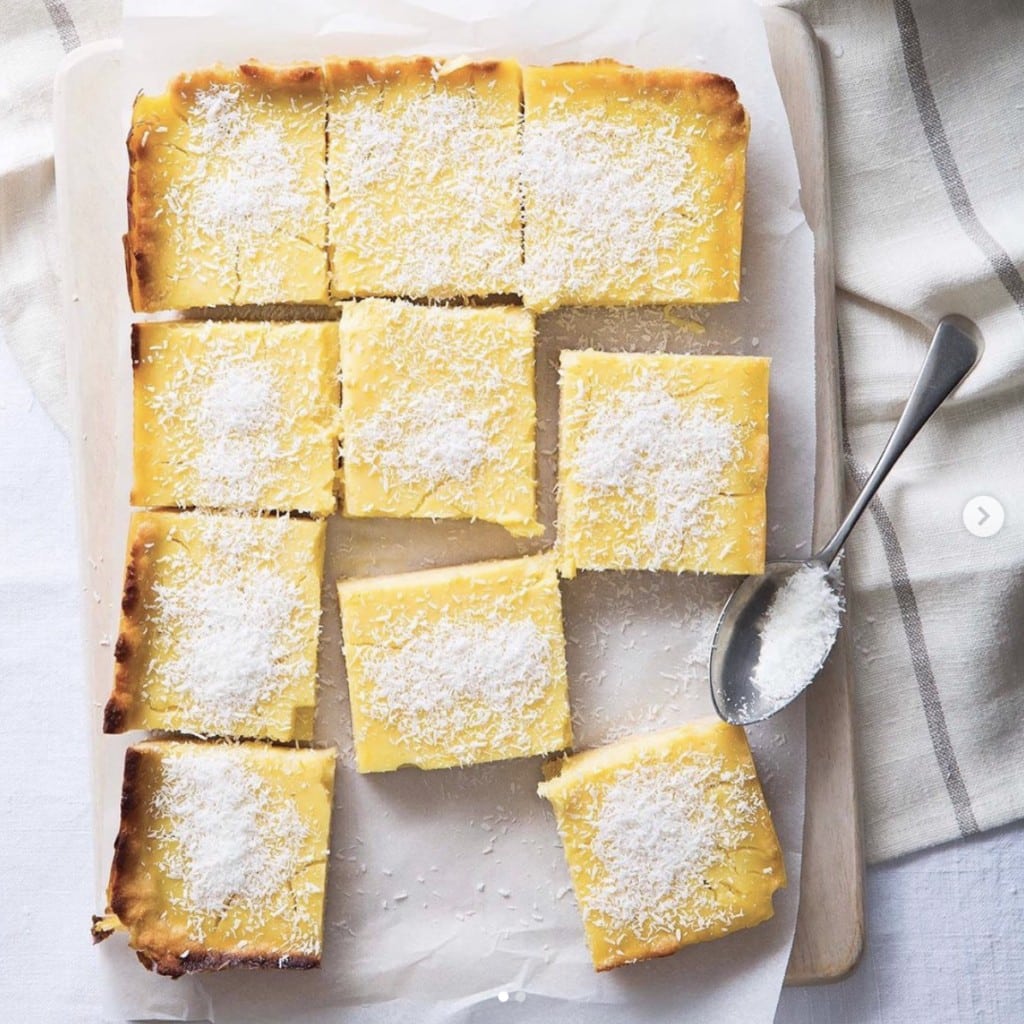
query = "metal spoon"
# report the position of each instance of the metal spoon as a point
(953, 353)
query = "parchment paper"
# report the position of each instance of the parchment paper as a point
(448, 895)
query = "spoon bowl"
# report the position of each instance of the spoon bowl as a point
(737, 644)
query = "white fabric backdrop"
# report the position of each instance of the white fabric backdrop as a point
(34, 36)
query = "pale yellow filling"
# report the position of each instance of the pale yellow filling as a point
(456, 666)
(236, 416)
(439, 415)
(663, 462)
(668, 840)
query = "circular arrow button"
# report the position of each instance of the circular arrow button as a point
(983, 516)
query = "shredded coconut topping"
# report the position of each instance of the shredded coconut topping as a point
(232, 415)
(433, 438)
(260, 189)
(240, 420)
(238, 402)
(465, 684)
(619, 197)
(658, 831)
(665, 456)
(611, 201)
(241, 626)
(231, 844)
(459, 388)
(245, 184)
(424, 192)
(798, 631)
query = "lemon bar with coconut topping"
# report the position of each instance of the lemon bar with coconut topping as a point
(668, 840)
(236, 415)
(423, 162)
(663, 462)
(220, 621)
(227, 196)
(633, 186)
(456, 666)
(221, 856)
(438, 413)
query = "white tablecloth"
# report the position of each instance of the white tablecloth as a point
(945, 927)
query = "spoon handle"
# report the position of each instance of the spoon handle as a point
(953, 353)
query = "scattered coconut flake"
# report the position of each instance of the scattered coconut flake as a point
(424, 191)
(245, 185)
(620, 196)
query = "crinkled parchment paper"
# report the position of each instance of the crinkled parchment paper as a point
(448, 896)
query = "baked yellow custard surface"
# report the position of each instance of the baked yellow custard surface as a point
(438, 411)
(236, 415)
(220, 622)
(668, 840)
(221, 856)
(423, 165)
(663, 462)
(633, 186)
(227, 195)
(456, 666)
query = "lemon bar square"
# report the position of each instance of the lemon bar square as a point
(663, 462)
(633, 186)
(668, 840)
(439, 414)
(227, 195)
(221, 856)
(456, 666)
(220, 622)
(241, 416)
(423, 161)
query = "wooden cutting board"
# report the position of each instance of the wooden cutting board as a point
(830, 924)
(829, 932)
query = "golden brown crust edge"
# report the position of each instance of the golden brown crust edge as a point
(171, 965)
(126, 844)
(668, 946)
(718, 93)
(103, 927)
(141, 241)
(342, 72)
(136, 257)
(200, 959)
(347, 72)
(658, 949)
(137, 571)
(302, 77)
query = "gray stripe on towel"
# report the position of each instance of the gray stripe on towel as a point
(942, 155)
(64, 24)
(910, 615)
